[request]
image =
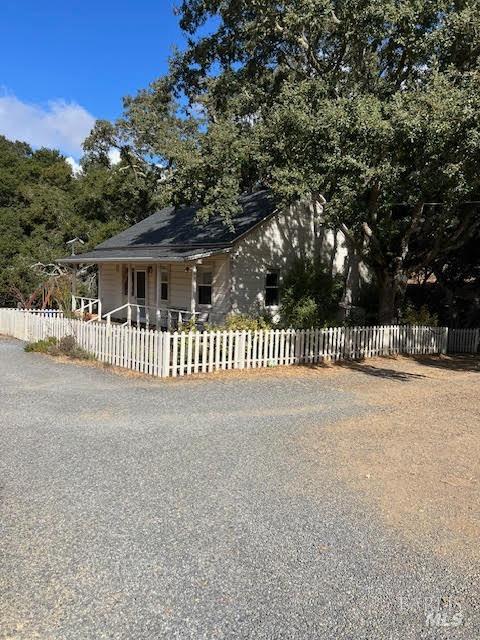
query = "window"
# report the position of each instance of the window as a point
(164, 284)
(140, 281)
(205, 279)
(272, 288)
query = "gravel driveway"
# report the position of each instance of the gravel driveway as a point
(136, 509)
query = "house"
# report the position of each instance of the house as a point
(170, 268)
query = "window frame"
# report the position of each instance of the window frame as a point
(166, 282)
(137, 272)
(200, 285)
(271, 271)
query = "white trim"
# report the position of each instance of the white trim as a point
(168, 283)
(272, 307)
(193, 293)
(137, 271)
(197, 256)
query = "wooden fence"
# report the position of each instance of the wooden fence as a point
(463, 340)
(177, 354)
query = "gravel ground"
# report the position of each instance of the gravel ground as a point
(214, 508)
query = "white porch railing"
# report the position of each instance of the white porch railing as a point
(82, 305)
(151, 316)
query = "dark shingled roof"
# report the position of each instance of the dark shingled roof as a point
(174, 234)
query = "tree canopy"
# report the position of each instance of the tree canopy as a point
(42, 205)
(372, 106)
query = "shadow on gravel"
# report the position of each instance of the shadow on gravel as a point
(454, 362)
(380, 372)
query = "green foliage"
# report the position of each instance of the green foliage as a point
(310, 296)
(372, 105)
(42, 205)
(421, 316)
(242, 322)
(66, 346)
(187, 326)
(41, 346)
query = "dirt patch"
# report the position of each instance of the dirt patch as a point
(416, 455)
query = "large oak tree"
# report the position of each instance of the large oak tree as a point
(371, 105)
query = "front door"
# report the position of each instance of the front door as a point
(140, 287)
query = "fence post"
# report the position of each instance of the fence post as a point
(243, 336)
(166, 355)
(25, 326)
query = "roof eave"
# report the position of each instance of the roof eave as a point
(131, 259)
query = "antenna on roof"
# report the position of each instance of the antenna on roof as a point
(72, 244)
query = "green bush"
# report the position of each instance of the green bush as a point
(187, 326)
(421, 316)
(66, 346)
(310, 296)
(242, 322)
(41, 346)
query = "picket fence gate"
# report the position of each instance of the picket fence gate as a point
(177, 354)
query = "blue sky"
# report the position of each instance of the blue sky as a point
(65, 63)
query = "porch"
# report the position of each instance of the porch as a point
(90, 309)
(162, 295)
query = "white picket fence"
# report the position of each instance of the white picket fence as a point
(463, 340)
(177, 354)
(45, 313)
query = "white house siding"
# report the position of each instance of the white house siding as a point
(110, 286)
(239, 276)
(180, 286)
(295, 233)
(221, 295)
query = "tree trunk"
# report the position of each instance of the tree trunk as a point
(387, 290)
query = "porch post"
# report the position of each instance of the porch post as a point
(157, 287)
(74, 286)
(157, 297)
(129, 288)
(193, 299)
(99, 293)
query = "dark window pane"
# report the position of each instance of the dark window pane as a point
(164, 291)
(204, 294)
(271, 297)
(272, 279)
(141, 284)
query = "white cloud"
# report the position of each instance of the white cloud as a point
(58, 124)
(76, 168)
(114, 156)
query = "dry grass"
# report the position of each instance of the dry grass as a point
(416, 455)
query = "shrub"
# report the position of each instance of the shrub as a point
(421, 316)
(310, 296)
(242, 322)
(41, 346)
(66, 346)
(187, 326)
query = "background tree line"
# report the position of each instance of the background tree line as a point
(43, 205)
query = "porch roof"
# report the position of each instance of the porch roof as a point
(176, 234)
(145, 254)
